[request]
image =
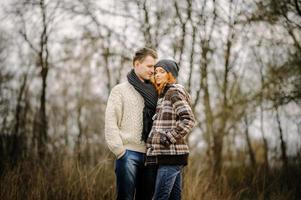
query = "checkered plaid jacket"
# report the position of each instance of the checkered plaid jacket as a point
(173, 120)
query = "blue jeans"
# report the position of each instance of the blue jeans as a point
(169, 182)
(134, 179)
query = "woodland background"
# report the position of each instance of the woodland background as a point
(240, 60)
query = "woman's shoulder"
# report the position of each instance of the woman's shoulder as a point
(176, 89)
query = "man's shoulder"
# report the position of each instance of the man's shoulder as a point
(121, 86)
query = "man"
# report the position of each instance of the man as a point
(128, 121)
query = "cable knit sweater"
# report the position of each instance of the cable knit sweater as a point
(124, 120)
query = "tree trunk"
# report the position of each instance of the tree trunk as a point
(78, 149)
(250, 149)
(42, 121)
(264, 140)
(43, 63)
(18, 139)
(282, 142)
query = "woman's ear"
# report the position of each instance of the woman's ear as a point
(170, 78)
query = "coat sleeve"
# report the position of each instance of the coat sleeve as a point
(185, 118)
(113, 118)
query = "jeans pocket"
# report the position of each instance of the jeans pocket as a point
(179, 167)
(124, 155)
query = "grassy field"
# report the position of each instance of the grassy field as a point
(62, 178)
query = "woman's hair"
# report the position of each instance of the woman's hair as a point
(160, 87)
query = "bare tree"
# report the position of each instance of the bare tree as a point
(46, 13)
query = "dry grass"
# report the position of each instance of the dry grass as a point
(58, 180)
(68, 179)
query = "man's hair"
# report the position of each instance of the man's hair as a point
(142, 53)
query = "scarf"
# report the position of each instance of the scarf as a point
(149, 94)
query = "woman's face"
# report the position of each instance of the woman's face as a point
(160, 75)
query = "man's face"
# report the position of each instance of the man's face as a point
(145, 69)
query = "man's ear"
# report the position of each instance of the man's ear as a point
(136, 63)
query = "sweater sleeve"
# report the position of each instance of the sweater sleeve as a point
(185, 118)
(112, 123)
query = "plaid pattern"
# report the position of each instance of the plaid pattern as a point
(173, 120)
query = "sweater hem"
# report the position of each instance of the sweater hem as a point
(135, 147)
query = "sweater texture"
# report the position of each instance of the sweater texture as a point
(124, 120)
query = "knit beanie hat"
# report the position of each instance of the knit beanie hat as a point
(169, 66)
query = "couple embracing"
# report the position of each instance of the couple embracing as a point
(147, 119)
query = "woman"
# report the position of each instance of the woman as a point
(166, 146)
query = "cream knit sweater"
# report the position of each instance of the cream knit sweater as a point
(124, 120)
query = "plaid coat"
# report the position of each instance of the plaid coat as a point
(173, 120)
